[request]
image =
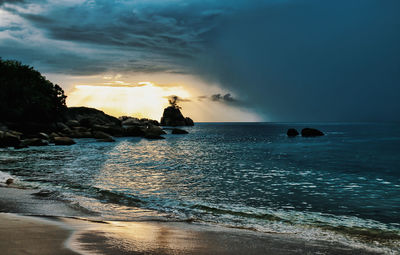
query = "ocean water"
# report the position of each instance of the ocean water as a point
(344, 186)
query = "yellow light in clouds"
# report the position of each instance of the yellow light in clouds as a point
(144, 101)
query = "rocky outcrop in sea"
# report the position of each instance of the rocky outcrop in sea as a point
(79, 122)
(172, 116)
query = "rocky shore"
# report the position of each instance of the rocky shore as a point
(83, 122)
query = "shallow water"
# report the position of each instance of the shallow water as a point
(248, 175)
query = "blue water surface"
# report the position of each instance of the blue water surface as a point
(238, 174)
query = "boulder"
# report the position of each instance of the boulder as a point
(43, 136)
(9, 181)
(103, 137)
(146, 122)
(87, 122)
(292, 132)
(80, 129)
(177, 131)
(311, 132)
(61, 126)
(78, 134)
(172, 116)
(63, 141)
(131, 122)
(16, 133)
(33, 142)
(72, 123)
(134, 131)
(8, 139)
(52, 135)
(109, 129)
(154, 132)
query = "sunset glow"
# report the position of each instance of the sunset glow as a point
(144, 100)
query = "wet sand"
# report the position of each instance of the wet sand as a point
(29, 235)
(72, 235)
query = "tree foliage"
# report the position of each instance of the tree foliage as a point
(173, 101)
(26, 95)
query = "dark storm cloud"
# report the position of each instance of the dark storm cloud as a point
(11, 1)
(172, 31)
(227, 98)
(292, 60)
(312, 60)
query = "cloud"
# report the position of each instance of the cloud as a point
(173, 99)
(11, 2)
(311, 60)
(140, 36)
(303, 60)
(227, 98)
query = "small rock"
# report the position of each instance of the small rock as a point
(101, 135)
(61, 126)
(7, 139)
(44, 136)
(292, 132)
(9, 181)
(73, 123)
(311, 132)
(177, 131)
(153, 131)
(34, 142)
(63, 141)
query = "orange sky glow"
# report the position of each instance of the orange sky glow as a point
(119, 96)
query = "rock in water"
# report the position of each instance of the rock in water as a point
(153, 132)
(172, 116)
(133, 131)
(102, 137)
(292, 132)
(34, 142)
(63, 141)
(311, 132)
(177, 131)
(9, 181)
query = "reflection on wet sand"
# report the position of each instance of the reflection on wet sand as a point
(183, 238)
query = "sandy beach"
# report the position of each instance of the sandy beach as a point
(58, 228)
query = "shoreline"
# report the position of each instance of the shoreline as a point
(79, 234)
(70, 236)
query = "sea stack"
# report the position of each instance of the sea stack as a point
(172, 115)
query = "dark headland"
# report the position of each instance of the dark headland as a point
(33, 113)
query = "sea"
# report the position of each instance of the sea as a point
(344, 186)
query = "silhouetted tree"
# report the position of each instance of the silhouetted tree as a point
(173, 101)
(26, 95)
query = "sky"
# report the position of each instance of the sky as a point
(271, 60)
